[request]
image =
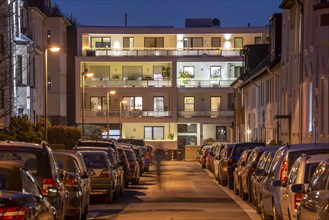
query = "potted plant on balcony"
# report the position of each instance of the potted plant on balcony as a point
(166, 72)
(184, 76)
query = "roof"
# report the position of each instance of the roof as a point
(15, 144)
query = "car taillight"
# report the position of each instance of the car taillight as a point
(17, 213)
(132, 163)
(105, 173)
(284, 172)
(71, 181)
(46, 183)
(298, 199)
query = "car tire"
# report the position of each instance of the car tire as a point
(236, 190)
(275, 213)
(84, 214)
(263, 215)
(230, 183)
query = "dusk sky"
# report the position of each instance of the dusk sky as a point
(231, 13)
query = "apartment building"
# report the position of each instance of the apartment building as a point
(169, 83)
(305, 70)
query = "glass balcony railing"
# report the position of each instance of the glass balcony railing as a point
(205, 113)
(205, 83)
(127, 83)
(162, 52)
(101, 114)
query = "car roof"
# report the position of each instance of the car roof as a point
(316, 158)
(17, 144)
(92, 152)
(298, 147)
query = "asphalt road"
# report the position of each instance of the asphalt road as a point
(186, 192)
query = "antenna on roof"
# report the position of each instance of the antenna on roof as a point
(126, 19)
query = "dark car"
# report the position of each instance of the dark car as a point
(100, 170)
(96, 143)
(146, 158)
(237, 174)
(235, 155)
(217, 158)
(248, 170)
(133, 164)
(257, 178)
(21, 195)
(271, 193)
(315, 204)
(222, 164)
(204, 151)
(40, 162)
(77, 183)
(118, 165)
(210, 165)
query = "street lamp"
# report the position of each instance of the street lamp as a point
(52, 49)
(112, 92)
(84, 75)
(121, 102)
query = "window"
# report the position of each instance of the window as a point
(237, 71)
(156, 132)
(132, 72)
(101, 72)
(221, 133)
(2, 99)
(49, 37)
(215, 42)
(133, 103)
(19, 70)
(2, 44)
(189, 103)
(128, 42)
(157, 42)
(258, 40)
(324, 20)
(193, 42)
(157, 73)
(98, 103)
(215, 72)
(238, 42)
(215, 103)
(100, 42)
(190, 70)
(158, 103)
(310, 108)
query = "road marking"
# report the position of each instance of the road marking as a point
(244, 205)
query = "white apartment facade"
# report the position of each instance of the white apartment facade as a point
(152, 99)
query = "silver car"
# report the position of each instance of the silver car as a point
(300, 173)
(271, 196)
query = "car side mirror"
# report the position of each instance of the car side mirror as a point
(91, 172)
(297, 188)
(277, 183)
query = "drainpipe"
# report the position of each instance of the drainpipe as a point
(252, 82)
(278, 102)
(300, 8)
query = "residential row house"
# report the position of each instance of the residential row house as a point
(284, 96)
(30, 29)
(170, 83)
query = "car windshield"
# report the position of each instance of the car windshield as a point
(129, 155)
(309, 170)
(65, 162)
(9, 180)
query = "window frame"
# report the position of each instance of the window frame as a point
(152, 128)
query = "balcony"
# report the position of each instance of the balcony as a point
(205, 83)
(212, 114)
(99, 114)
(99, 83)
(136, 52)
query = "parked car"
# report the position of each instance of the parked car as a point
(101, 173)
(134, 170)
(203, 155)
(300, 173)
(146, 158)
(40, 162)
(21, 195)
(210, 164)
(257, 177)
(117, 165)
(283, 160)
(97, 143)
(237, 174)
(219, 156)
(235, 155)
(222, 164)
(247, 171)
(78, 182)
(315, 204)
(140, 157)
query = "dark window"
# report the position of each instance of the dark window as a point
(238, 42)
(153, 42)
(215, 42)
(258, 40)
(128, 42)
(100, 42)
(19, 70)
(155, 132)
(325, 20)
(2, 44)
(2, 98)
(193, 42)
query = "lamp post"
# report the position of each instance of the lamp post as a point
(84, 75)
(121, 102)
(112, 92)
(52, 49)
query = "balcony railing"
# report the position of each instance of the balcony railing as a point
(205, 83)
(205, 113)
(199, 51)
(125, 114)
(127, 83)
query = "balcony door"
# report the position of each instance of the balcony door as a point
(189, 103)
(158, 103)
(215, 104)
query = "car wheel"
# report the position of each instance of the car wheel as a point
(262, 212)
(289, 216)
(109, 198)
(236, 190)
(230, 183)
(84, 214)
(257, 204)
(77, 216)
(275, 213)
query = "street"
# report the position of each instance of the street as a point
(186, 191)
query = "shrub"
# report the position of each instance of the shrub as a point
(6, 137)
(63, 135)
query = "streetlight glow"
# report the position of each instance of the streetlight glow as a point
(54, 49)
(84, 75)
